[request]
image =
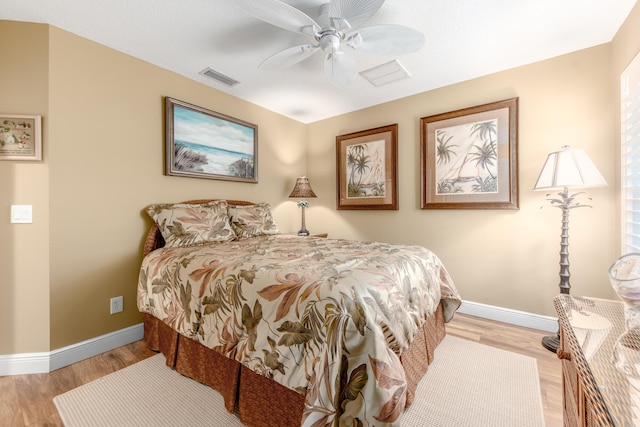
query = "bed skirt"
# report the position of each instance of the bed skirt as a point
(257, 400)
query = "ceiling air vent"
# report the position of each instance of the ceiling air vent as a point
(386, 73)
(215, 75)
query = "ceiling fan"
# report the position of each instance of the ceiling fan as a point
(338, 26)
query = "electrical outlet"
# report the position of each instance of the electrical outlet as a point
(116, 305)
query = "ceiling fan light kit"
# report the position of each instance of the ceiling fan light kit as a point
(329, 43)
(338, 26)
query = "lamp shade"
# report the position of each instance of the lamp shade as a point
(302, 189)
(570, 167)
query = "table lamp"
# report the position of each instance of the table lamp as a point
(302, 190)
(568, 168)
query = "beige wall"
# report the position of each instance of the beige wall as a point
(24, 248)
(626, 44)
(502, 258)
(103, 163)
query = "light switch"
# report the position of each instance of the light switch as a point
(21, 214)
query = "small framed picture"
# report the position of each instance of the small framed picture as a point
(469, 158)
(201, 143)
(367, 169)
(20, 137)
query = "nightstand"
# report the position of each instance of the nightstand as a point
(600, 363)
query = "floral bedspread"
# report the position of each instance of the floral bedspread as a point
(327, 318)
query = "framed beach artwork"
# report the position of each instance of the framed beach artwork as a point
(366, 169)
(201, 143)
(469, 158)
(20, 137)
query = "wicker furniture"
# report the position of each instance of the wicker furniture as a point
(600, 360)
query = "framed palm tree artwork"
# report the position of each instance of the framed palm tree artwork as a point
(469, 158)
(366, 169)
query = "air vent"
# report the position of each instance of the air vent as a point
(215, 75)
(385, 73)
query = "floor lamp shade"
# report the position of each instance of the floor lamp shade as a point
(570, 167)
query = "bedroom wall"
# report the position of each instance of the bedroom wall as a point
(626, 44)
(103, 145)
(501, 258)
(24, 248)
(106, 158)
(103, 163)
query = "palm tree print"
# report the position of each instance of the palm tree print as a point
(444, 147)
(365, 170)
(485, 156)
(355, 154)
(466, 158)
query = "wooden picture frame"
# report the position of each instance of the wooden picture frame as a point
(201, 143)
(20, 137)
(367, 168)
(469, 158)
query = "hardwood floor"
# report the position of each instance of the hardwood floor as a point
(27, 400)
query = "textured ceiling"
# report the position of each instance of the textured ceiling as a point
(465, 39)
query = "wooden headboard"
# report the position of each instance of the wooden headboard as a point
(154, 239)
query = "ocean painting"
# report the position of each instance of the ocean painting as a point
(212, 147)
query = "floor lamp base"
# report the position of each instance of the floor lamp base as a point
(551, 342)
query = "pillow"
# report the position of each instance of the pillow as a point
(184, 224)
(252, 220)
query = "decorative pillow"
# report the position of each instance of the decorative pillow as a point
(183, 224)
(252, 220)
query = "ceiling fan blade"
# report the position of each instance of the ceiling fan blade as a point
(386, 40)
(288, 57)
(340, 69)
(354, 12)
(280, 14)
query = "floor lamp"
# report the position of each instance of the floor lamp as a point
(565, 169)
(302, 190)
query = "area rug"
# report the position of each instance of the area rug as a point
(468, 385)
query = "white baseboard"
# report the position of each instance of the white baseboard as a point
(86, 349)
(26, 363)
(35, 363)
(507, 315)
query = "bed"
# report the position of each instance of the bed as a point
(290, 330)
